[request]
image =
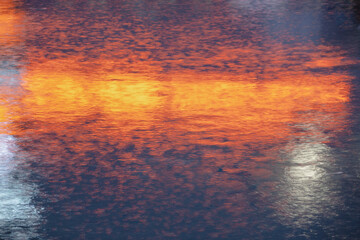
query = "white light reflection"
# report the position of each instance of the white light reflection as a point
(19, 219)
(306, 194)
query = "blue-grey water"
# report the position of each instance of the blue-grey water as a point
(179, 119)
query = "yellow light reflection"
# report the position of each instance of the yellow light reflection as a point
(205, 105)
(71, 94)
(2, 113)
(234, 97)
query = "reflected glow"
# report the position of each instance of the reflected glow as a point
(237, 101)
(191, 120)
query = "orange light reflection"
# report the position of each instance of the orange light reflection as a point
(10, 41)
(189, 104)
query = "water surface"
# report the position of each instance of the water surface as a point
(179, 119)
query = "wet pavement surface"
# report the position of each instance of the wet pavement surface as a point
(144, 119)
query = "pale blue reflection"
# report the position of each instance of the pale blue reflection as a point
(9, 76)
(19, 219)
(307, 184)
